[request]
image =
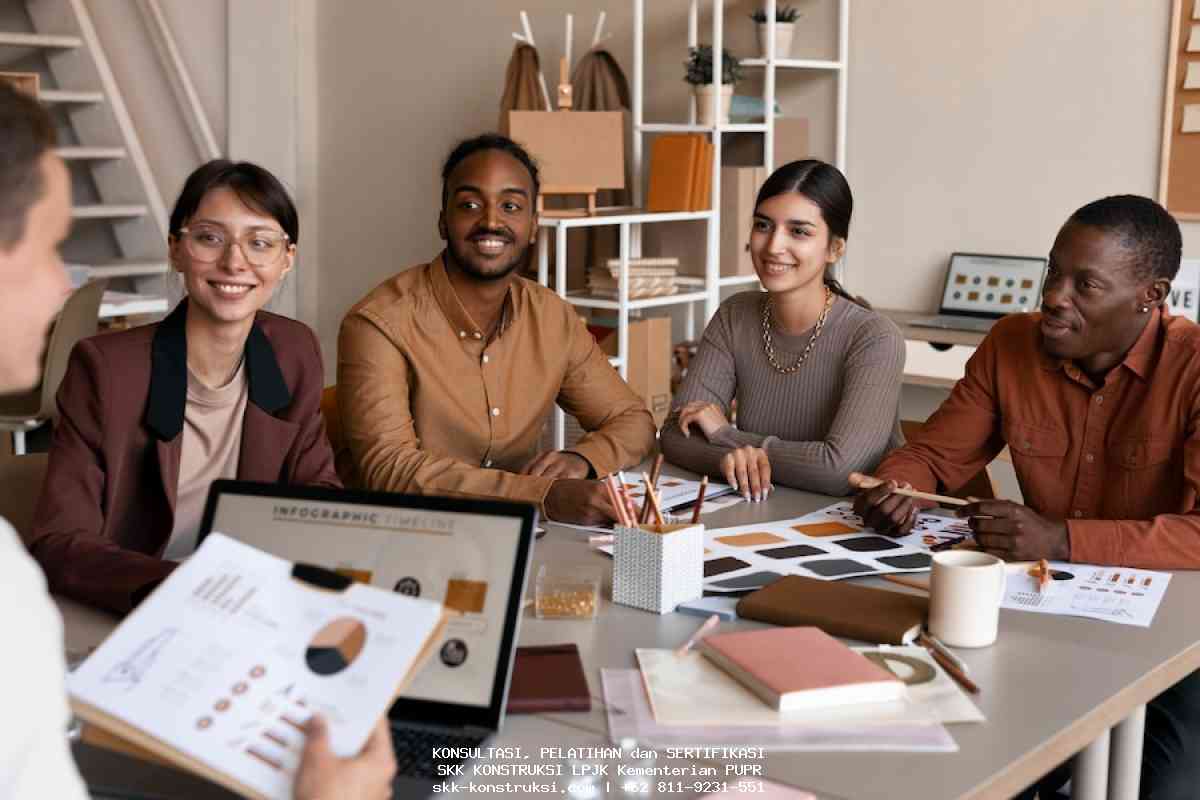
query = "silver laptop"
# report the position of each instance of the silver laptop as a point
(470, 555)
(980, 289)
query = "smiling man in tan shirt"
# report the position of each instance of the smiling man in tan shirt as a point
(447, 371)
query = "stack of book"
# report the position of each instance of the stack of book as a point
(648, 277)
(680, 173)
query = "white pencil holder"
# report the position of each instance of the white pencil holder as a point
(655, 568)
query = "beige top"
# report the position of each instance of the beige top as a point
(212, 439)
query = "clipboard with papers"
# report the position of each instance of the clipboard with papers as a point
(218, 670)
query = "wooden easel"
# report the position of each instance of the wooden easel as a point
(565, 103)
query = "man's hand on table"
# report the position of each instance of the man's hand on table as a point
(580, 502)
(558, 464)
(1015, 532)
(886, 512)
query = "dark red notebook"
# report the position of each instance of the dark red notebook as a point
(548, 678)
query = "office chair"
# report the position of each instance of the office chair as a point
(78, 319)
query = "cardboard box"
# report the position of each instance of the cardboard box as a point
(27, 82)
(649, 373)
(739, 189)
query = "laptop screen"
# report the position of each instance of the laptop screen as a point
(992, 286)
(471, 556)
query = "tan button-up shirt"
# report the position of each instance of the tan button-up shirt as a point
(1120, 461)
(430, 406)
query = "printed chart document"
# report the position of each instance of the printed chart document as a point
(1113, 594)
(219, 669)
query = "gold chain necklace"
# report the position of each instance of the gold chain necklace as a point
(769, 347)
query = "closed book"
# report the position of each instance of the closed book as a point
(839, 609)
(672, 172)
(548, 678)
(647, 261)
(794, 669)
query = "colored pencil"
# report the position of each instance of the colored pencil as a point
(860, 481)
(699, 500)
(653, 497)
(700, 633)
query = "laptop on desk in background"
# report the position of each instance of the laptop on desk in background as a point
(980, 289)
(471, 555)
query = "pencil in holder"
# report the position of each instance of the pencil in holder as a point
(657, 567)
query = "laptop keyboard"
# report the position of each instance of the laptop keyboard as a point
(414, 750)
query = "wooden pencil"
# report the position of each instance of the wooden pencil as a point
(952, 671)
(860, 481)
(618, 503)
(699, 500)
(655, 474)
(654, 506)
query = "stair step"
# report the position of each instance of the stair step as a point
(91, 153)
(67, 97)
(127, 268)
(42, 40)
(108, 211)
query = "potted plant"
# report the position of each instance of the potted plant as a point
(700, 76)
(785, 27)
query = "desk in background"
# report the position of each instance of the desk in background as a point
(925, 364)
(1052, 686)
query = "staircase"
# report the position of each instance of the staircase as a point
(120, 220)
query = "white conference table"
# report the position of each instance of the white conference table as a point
(1051, 687)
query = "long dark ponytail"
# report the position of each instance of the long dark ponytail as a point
(826, 186)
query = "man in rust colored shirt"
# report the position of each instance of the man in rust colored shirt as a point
(1098, 400)
(448, 371)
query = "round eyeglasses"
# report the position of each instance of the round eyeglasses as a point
(261, 248)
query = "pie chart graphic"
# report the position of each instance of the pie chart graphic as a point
(335, 646)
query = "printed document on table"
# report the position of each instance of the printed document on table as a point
(228, 658)
(1113, 594)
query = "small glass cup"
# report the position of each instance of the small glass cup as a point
(567, 591)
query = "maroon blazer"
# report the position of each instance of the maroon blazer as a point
(107, 506)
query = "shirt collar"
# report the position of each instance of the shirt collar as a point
(1140, 358)
(168, 374)
(443, 291)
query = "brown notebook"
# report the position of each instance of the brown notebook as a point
(548, 678)
(673, 160)
(839, 609)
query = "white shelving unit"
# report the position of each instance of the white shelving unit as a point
(629, 220)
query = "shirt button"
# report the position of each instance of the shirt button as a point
(1089, 458)
(495, 412)
(1078, 513)
(485, 359)
(487, 463)
(1026, 444)
(462, 334)
(1100, 399)
(478, 335)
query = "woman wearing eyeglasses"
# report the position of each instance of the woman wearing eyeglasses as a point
(149, 417)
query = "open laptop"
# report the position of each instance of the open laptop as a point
(980, 289)
(470, 555)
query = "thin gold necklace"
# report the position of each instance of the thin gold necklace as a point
(768, 345)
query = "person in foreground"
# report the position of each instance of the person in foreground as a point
(35, 760)
(448, 371)
(151, 416)
(816, 374)
(1098, 400)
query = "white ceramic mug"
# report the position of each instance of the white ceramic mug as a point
(965, 591)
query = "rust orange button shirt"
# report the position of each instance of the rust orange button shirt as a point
(1120, 462)
(429, 406)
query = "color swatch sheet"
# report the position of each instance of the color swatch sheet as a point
(829, 544)
(228, 658)
(1113, 594)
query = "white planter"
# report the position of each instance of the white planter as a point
(703, 96)
(783, 38)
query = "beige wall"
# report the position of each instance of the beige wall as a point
(983, 125)
(972, 125)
